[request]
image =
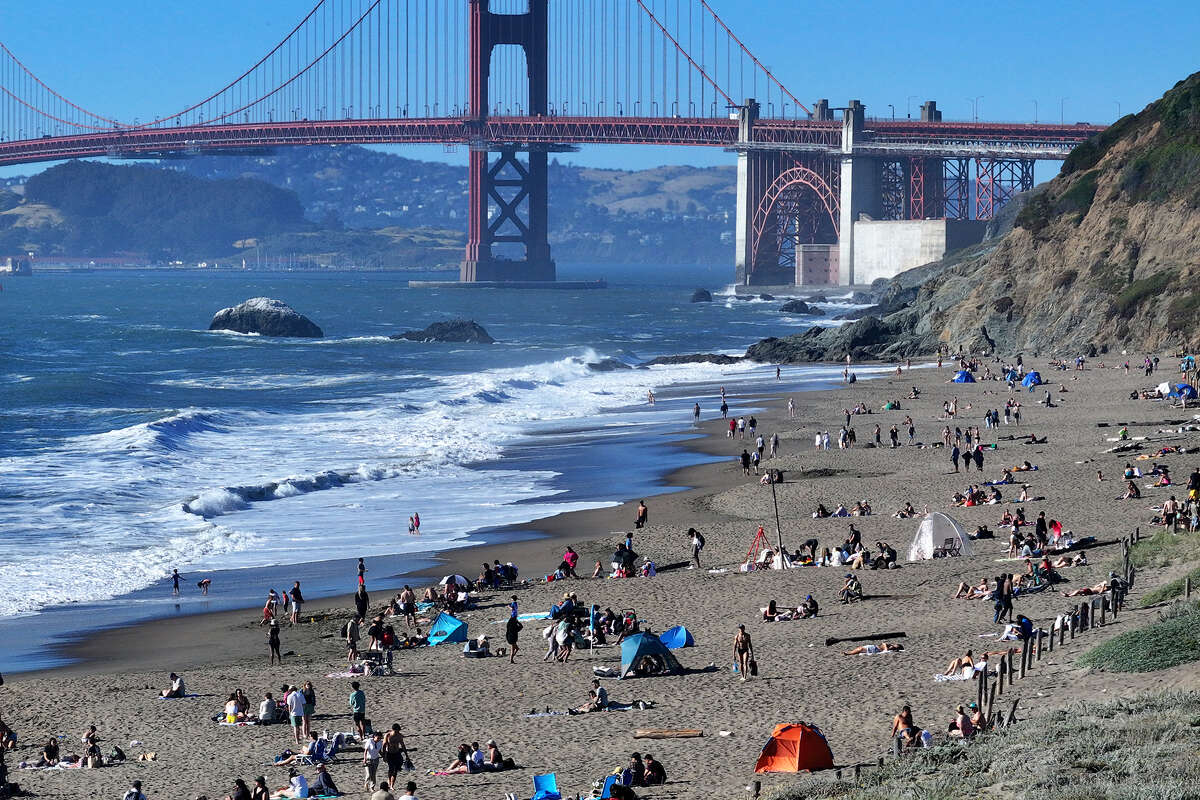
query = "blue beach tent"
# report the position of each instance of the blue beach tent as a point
(1032, 379)
(644, 654)
(677, 637)
(447, 629)
(963, 376)
(1183, 390)
(1012, 376)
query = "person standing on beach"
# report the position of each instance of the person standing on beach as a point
(175, 579)
(372, 747)
(697, 545)
(352, 631)
(791, 409)
(310, 705)
(295, 707)
(297, 602)
(394, 752)
(135, 792)
(358, 709)
(778, 374)
(741, 426)
(512, 629)
(362, 571)
(362, 601)
(643, 515)
(696, 414)
(760, 444)
(745, 461)
(273, 642)
(774, 443)
(416, 522)
(954, 457)
(743, 652)
(408, 605)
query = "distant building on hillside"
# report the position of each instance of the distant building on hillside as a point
(15, 266)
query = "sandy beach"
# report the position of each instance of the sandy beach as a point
(441, 699)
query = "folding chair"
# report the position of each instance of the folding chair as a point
(545, 787)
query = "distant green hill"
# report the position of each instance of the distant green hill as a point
(352, 206)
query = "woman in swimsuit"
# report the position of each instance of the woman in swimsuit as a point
(873, 649)
(743, 652)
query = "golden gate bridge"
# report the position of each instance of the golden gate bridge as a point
(516, 80)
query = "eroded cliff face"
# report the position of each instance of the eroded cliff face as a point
(1104, 257)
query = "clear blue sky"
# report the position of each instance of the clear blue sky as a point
(134, 58)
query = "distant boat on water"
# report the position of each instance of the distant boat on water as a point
(15, 266)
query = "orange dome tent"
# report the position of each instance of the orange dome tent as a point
(795, 748)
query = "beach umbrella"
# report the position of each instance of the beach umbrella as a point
(1184, 390)
(459, 579)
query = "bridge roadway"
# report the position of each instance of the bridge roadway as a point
(882, 137)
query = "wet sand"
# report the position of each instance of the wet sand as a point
(441, 699)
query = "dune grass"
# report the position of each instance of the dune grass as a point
(1174, 639)
(1142, 748)
(1171, 590)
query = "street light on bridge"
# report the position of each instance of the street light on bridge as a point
(1062, 110)
(1034, 112)
(893, 108)
(908, 105)
(975, 107)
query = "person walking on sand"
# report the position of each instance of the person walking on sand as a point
(724, 409)
(297, 602)
(358, 709)
(774, 443)
(954, 457)
(643, 515)
(135, 792)
(791, 409)
(408, 605)
(697, 545)
(273, 642)
(175, 579)
(394, 752)
(743, 652)
(512, 629)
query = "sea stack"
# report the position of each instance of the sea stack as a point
(456, 330)
(267, 317)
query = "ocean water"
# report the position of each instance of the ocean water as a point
(134, 441)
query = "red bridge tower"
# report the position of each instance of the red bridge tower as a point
(518, 190)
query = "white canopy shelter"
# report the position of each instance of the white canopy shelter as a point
(938, 535)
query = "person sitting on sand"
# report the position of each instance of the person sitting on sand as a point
(886, 558)
(822, 512)
(50, 754)
(597, 699)
(1132, 492)
(177, 689)
(956, 666)
(851, 590)
(841, 511)
(808, 609)
(297, 785)
(323, 785)
(874, 649)
(908, 512)
(240, 791)
(961, 725)
(771, 613)
(904, 727)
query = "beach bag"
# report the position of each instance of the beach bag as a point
(753, 668)
(700, 539)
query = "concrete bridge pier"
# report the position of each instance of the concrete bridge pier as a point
(747, 196)
(859, 189)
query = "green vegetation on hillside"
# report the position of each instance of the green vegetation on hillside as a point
(1141, 748)
(1169, 642)
(159, 214)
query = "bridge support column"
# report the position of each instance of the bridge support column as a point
(518, 190)
(859, 189)
(749, 193)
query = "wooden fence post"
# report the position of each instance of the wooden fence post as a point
(1011, 677)
(1052, 635)
(1040, 636)
(1187, 587)
(1071, 625)
(1000, 673)
(857, 771)
(990, 701)
(1063, 624)
(1012, 714)
(1024, 656)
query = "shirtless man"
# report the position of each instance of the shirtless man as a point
(408, 606)
(393, 752)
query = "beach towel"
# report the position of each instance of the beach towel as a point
(185, 697)
(237, 724)
(965, 674)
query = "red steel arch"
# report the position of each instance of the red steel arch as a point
(796, 175)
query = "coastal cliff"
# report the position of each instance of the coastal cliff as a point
(1106, 256)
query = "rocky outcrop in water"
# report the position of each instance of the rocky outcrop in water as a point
(267, 317)
(693, 358)
(608, 365)
(799, 307)
(702, 296)
(456, 330)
